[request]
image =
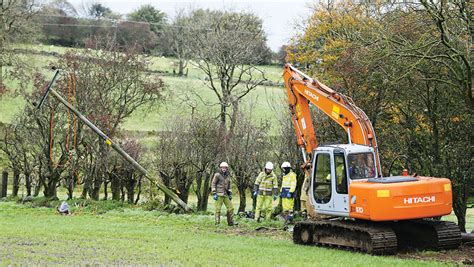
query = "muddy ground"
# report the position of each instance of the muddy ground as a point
(463, 255)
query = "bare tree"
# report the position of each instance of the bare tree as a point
(226, 48)
(176, 38)
(248, 151)
(173, 157)
(11, 147)
(21, 152)
(128, 177)
(204, 137)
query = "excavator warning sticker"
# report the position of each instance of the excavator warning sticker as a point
(335, 111)
(303, 123)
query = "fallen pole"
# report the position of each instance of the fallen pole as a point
(111, 143)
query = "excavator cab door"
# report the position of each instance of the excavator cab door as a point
(321, 183)
(329, 184)
(340, 181)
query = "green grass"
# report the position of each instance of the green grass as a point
(132, 236)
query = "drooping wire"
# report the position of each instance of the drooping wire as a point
(72, 127)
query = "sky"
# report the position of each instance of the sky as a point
(279, 16)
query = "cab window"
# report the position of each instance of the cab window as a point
(322, 179)
(361, 165)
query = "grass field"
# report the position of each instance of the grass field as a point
(132, 236)
(262, 102)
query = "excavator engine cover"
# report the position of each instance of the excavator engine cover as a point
(400, 198)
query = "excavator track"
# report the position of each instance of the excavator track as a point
(362, 236)
(427, 234)
(378, 238)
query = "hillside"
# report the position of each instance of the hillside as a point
(182, 92)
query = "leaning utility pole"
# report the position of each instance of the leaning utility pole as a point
(111, 143)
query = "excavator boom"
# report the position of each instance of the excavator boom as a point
(303, 90)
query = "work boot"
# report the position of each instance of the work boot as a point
(230, 219)
(285, 216)
(218, 218)
(289, 218)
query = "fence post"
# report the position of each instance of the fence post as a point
(3, 191)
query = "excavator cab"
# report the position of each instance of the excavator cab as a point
(334, 168)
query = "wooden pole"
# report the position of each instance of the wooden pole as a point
(114, 145)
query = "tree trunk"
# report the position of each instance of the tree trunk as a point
(131, 182)
(130, 193)
(16, 183)
(182, 184)
(28, 183)
(139, 190)
(183, 193)
(243, 199)
(85, 188)
(223, 116)
(96, 188)
(3, 192)
(460, 205)
(115, 186)
(198, 191)
(461, 221)
(184, 196)
(166, 181)
(37, 187)
(122, 193)
(206, 191)
(50, 188)
(70, 186)
(203, 190)
(180, 67)
(235, 115)
(106, 194)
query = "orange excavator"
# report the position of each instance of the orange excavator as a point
(350, 203)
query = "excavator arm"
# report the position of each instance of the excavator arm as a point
(303, 90)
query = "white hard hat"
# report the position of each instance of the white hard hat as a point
(269, 166)
(224, 165)
(285, 164)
